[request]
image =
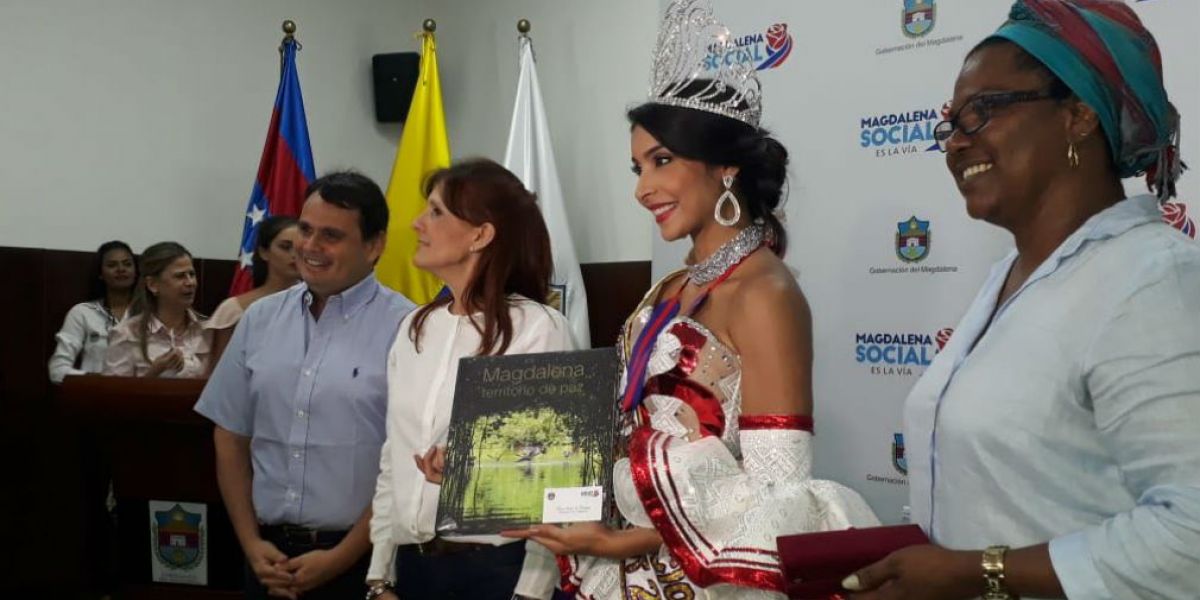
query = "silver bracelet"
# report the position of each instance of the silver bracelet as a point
(379, 588)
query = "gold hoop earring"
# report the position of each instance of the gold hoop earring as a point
(1072, 155)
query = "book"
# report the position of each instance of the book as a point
(531, 441)
(814, 564)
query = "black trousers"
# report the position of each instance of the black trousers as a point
(486, 574)
(350, 585)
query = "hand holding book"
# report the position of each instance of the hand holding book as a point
(591, 539)
(432, 464)
(530, 442)
(922, 572)
(816, 564)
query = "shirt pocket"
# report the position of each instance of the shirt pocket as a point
(95, 341)
(345, 407)
(370, 388)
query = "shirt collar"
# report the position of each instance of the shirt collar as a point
(1108, 223)
(193, 320)
(350, 300)
(97, 306)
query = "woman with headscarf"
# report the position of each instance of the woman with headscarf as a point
(1053, 445)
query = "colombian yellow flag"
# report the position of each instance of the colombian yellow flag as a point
(424, 147)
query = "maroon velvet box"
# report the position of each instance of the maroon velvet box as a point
(814, 564)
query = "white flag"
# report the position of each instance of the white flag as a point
(531, 157)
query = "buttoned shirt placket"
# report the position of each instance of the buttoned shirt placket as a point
(317, 334)
(429, 413)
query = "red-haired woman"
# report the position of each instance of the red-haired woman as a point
(483, 234)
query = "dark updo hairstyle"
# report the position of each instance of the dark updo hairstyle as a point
(726, 142)
(518, 259)
(268, 230)
(97, 289)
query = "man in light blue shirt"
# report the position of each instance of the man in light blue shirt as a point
(299, 399)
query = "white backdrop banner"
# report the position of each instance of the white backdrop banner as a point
(880, 240)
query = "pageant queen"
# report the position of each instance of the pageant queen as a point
(717, 385)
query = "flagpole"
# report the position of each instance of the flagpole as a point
(523, 29)
(424, 146)
(428, 27)
(285, 168)
(289, 36)
(530, 157)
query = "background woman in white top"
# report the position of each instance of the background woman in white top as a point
(84, 334)
(483, 235)
(274, 271)
(83, 340)
(164, 336)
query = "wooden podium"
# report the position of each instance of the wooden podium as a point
(160, 450)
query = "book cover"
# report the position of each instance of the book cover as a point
(529, 432)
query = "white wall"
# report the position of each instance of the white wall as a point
(593, 62)
(144, 120)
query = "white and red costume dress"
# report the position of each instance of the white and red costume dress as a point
(718, 501)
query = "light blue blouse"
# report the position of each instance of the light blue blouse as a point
(1076, 418)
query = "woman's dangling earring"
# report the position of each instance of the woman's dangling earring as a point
(1072, 155)
(727, 196)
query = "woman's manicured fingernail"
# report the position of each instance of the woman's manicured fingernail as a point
(851, 583)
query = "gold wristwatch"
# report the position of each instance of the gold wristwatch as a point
(993, 574)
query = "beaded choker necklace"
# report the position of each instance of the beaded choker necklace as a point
(729, 254)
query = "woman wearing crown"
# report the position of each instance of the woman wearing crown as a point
(717, 394)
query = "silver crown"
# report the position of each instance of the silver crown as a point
(690, 69)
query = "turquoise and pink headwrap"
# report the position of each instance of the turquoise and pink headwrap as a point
(1100, 50)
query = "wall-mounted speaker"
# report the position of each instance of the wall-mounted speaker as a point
(395, 77)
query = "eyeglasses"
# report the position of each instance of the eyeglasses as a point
(977, 111)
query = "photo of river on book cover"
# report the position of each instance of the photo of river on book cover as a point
(521, 424)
